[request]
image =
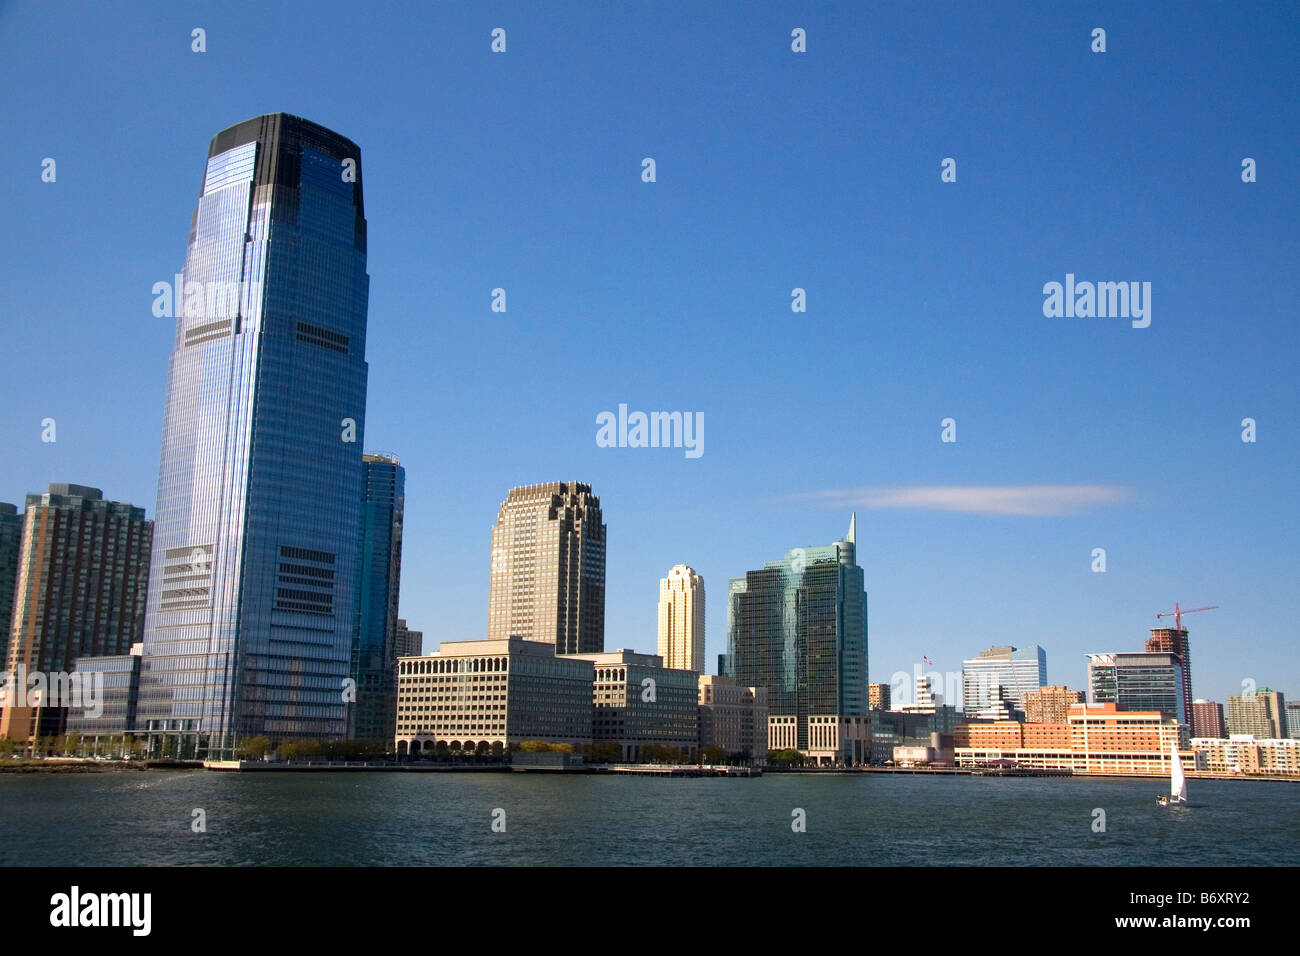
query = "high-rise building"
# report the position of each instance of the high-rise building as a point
(409, 643)
(733, 717)
(1207, 719)
(11, 538)
(1015, 671)
(1261, 714)
(548, 568)
(1138, 682)
(798, 627)
(878, 696)
(1293, 719)
(1050, 705)
(681, 619)
(1171, 640)
(374, 651)
(83, 573)
(250, 623)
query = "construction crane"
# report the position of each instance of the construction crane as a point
(1178, 612)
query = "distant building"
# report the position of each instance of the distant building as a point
(492, 692)
(798, 627)
(1246, 754)
(733, 717)
(548, 568)
(1096, 739)
(878, 696)
(1138, 682)
(1016, 671)
(1293, 719)
(120, 677)
(1050, 705)
(1171, 640)
(379, 572)
(891, 729)
(637, 701)
(1261, 714)
(11, 539)
(999, 707)
(83, 575)
(681, 619)
(408, 643)
(1207, 719)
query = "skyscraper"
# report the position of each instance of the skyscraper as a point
(83, 572)
(374, 656)
(1015, 671)
(681, 619)
(548, 568)
(1262, 714)
(1171, 640)
(249, 627)
(1207, 719)
(408, 643)
(798, 627)
(1138, 681)
(11, 538)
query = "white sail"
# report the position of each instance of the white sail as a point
(1177, 781)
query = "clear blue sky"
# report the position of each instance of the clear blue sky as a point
(775, 171)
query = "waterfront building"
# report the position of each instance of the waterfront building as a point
(1016, 671)
(83, 576)
(250, 624)
(1207, 719)
(891, 729)
(733, 717)
(878, 696)
(1138, 682)
(798, 627)
(489, 693)
(408, 643)
(1050, 705)
(1172, 640)
(681, 619)
(11, 539)
(1246, 754)
(637, 701)
(374, 646)
(1292, 711)
(119, 678)
(1096, 739)
(548, 568)
(1261, 714)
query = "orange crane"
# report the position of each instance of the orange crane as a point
(1178, 612)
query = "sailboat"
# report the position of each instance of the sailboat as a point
(1177, 780)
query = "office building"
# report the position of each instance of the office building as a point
(374, 652)
(733, 717)
(11, 539)
(118, 677)
(1292, 711)
(1050, 705)
(1016, 671)
(250, 624)
(1172, 640)
(1207, 719)
(637, 701)
(798, 627)
(492, 693)
(1138, 682)
(409, 643)
(681, 619)
(1261, 714)
(548, 568)
(83, 576)
(878, 696)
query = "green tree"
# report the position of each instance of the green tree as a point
(253, 748)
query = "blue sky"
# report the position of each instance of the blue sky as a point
(775, 170)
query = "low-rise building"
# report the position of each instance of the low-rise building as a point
(118, 677)
(733, 717)
(1246, 754)
(637, 701)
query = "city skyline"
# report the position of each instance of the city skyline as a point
(1137, 430)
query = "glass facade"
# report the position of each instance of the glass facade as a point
(798, 627)
(250, 624)
(1016, 671)
(11, 536)
(1138, 682)
(375, 651)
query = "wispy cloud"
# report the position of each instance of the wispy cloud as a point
(1035, 501)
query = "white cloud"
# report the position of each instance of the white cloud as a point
(1038, 501)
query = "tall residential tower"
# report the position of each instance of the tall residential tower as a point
(681, 619)
(250, 620)
(548, 568)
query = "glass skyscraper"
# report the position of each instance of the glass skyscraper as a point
(1016, 671)
(1138, 682)
(798, 627)
(375, 651)
(250, 621)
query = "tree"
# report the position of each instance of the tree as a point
(713, 754)
(483, 749)
(253, 748)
